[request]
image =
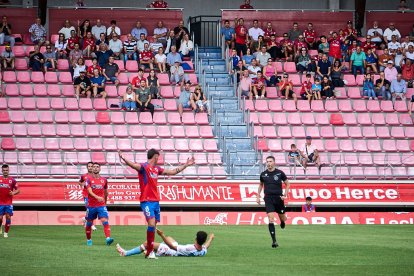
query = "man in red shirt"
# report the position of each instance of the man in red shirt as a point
(158, 5)
(94, 66)
(259, 86)
(97, 197)
(246, 5)
(273, 47)
(148, 173)
(89, 45)
(268, 32)
(85, 193)
(146, 58)
(298, 44)
(286, 88)
(136, 81)
(310, 37)
(242, 38)
(8, 189)
(287, 47)
(368, 45)
(349, 32)
(334, 48)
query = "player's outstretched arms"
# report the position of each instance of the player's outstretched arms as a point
(190, 162)
(210, 239)
(133, 165)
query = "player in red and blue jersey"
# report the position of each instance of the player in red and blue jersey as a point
(97, 196)
(148, 181)
(82, 180)
(8, 189)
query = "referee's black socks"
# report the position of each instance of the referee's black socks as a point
(272, 231)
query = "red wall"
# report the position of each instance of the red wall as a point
(403, 21)
(20, 19)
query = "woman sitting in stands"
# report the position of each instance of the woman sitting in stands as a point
(79, 67)
(247, 58)
(60, 47)
(186, 47)
(129, 102)
(304, 62)
(199, 99)
(336, 74)
(327, 88)
(154, 85)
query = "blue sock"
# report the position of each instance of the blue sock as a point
(134, 251)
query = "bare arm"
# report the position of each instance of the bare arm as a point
(166, 241)
(133, 165)
(91, 193)
(15, 192)
(190, 162)
(285, 196)
(259, 191)
(210, 239)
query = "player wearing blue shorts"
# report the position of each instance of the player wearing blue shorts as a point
(82, 180)
(8, 189)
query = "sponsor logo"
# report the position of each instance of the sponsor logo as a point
(220, 219)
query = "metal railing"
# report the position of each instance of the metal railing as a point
(206, 29)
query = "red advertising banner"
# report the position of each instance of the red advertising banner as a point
(212, 218)
(223, 193)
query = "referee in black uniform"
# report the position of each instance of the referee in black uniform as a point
(271, 179)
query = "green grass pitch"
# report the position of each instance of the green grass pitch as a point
(236, 250)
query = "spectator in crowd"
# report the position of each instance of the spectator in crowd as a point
(270, 74)
(228, 33)
(74, 56)
(179, 33)
(143, 98)
(259, 86)
(247, 58)
(78, 67)
(368, 44)
(171, 41)
(177, 74)
(368, 87)
(409, 54)
(67, 29)
(136, 81)
(245, 86)
(115, 45)
(410, 104)
(287, 48)
(336, 74)
(173, 57)
(37, 32)
(111, 71)
(138, 30)
(316, 89)
(253, 69)
(50, 59)
(407, 72)
(94, 66)
(101, 39)
(398, 59)
(199, 100)
(324, 45)
(103, 54)
(294, 33)
(403, 6)
(294, 155)
(238, 70)
(349, 32)
(82, 86)
(129, 99)
(160, 33)
(146, 58)
(98, 84)
(334, 48)
(36, 59)
(153, 84)
(390, 72)
(268, 32)
(389, 32)
(242, 37)
(154, 46)
(358, 61)
(306, 91)
(299, 44)
(411, 34)
(84, 28)
(371, 60)
(6, 33)
(327, 88)
(113, 29)
(286, 88)
(187, 47)
(324, 66)
(160, 60)
(263, 56)
(141, 42)
(256, 46)
(382, 87)
(98, 29)
(310, 154)
(246, 5)
(304, 62)
(398, 88)
(273, 47)
(383, 59)
(405, 42)
(376, 34)
(310, 37)
(8, 58)
(184, 99)
(394, 44)
(255, 31)
(60, 47)
(130, 49)
(72, 40)
(89, 46)
(158, 4)
(308, 207)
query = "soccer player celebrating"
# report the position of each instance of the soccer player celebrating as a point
(97, 196)
(169, 247)
(82, 180)
(271, 180)
(148, 180)
(8, 189)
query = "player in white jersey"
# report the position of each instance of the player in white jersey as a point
(169, 247)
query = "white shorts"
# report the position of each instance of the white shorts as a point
(164, 250)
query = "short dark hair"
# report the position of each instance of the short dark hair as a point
(4, 166)
(113, 22)
(308, 75)
(292, 145)
(90, 162)
(201, 237)
(270, 157)
(226, 21)
(152, 152)
(140, 70)
(308, 198)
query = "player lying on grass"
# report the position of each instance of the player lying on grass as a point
(169, 247)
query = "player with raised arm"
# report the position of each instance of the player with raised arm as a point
(169, 247)
(271, 180)
(82, 180)
(97, 196)
(8, 189)
(148, 180)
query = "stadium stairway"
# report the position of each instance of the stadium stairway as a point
(228, 120)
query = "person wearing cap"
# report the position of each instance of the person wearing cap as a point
(358, 61)
(310, 154)
(390, 71)
(349, 32)
(177, 74)
(8, 58)
(375, 33)
(308, 207)
(398, 88)
(184, 101)
(82, 85)
(390, 31)
(129, 102)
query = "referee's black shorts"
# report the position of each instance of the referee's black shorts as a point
(274, 203)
